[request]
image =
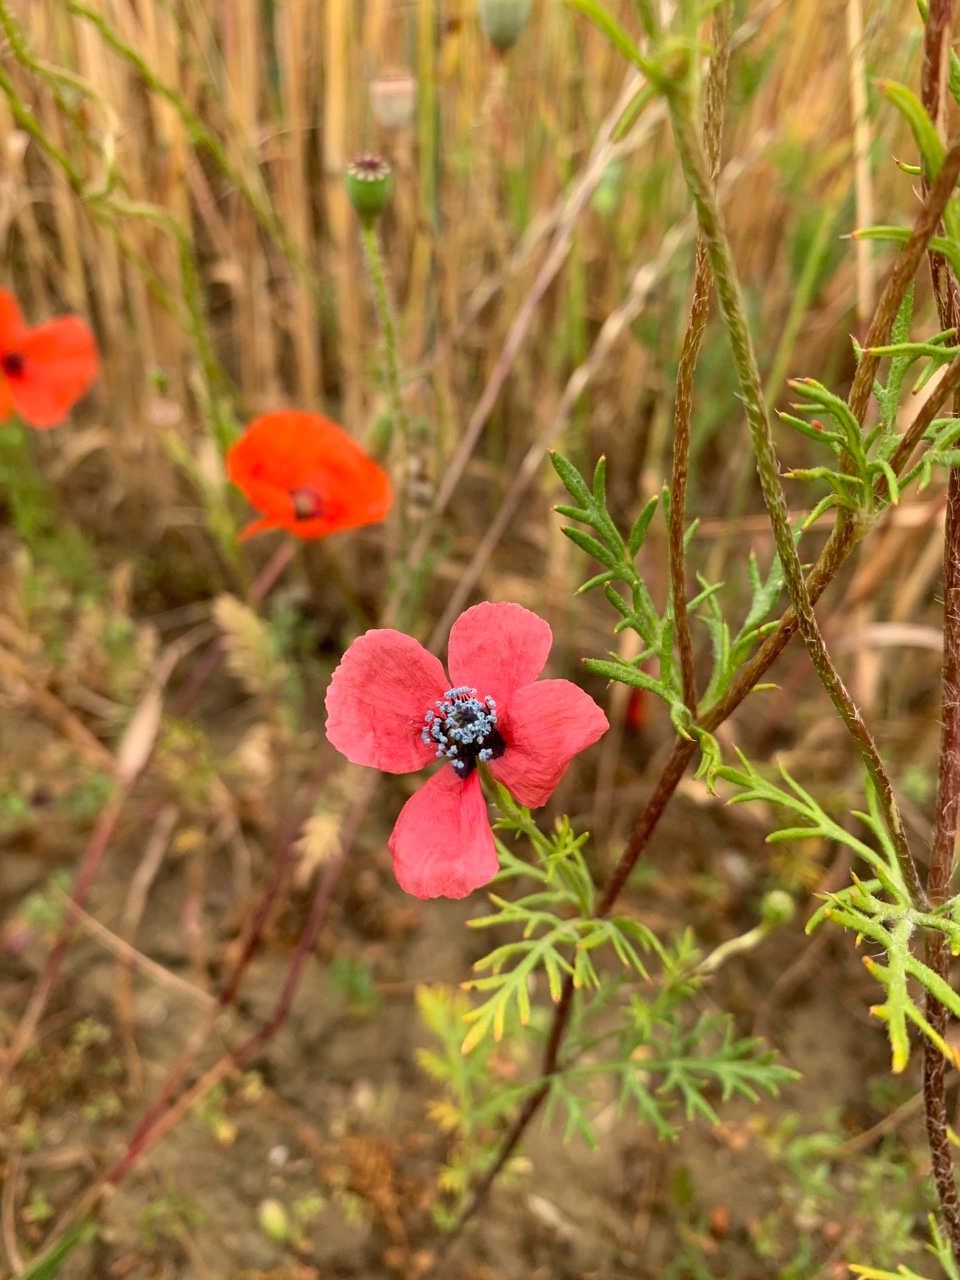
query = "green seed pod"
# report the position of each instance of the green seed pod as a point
(503, 21)
(369, 180)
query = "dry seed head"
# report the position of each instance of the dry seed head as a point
(393, 98)
(504, 21)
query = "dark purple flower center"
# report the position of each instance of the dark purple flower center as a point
(12, 363)
(464, 730)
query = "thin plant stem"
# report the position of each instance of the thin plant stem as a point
(86, 874)
(937, 952)
(905, 267)
(401, 422)
(689, 352)
(941, 870)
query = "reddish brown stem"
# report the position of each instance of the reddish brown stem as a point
(86, 875)
(941, 871)
(714, 97)
(904, 269)
(939, 24)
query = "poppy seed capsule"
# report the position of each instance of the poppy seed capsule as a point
(369, 180)
(504, 21)
(393, 98)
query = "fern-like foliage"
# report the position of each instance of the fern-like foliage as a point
(666, 1065)
(556, 932)
(878, 909)
(638, 612)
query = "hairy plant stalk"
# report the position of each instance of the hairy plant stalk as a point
(938, 26)
(401, 422)
(941, 871)
(714, 99)
(683, 412)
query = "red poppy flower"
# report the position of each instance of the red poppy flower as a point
(306, 475)
(43, 371)
(390, 705)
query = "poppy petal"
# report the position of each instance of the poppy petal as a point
(288, 452)
(377, 699)
(257, 526)
(496, 649)
(12, 327)
(442, 844)
(58, 363)
(546, 724)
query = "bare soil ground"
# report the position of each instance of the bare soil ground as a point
(332, 1122)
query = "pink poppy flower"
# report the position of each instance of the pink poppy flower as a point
(390, 705)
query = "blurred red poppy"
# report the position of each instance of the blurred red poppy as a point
(306, 475)
(43, 371)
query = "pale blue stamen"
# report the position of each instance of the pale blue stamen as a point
(461, 720)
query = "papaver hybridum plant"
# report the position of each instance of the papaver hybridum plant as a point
(306, 475)
(391, 705)
(46, 369)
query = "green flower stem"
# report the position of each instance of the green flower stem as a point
(733, 311)
(734, 947)
(371, 249)
(689, 352)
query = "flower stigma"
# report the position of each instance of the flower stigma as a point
(464, 730)
(307, 503)
(12, 364)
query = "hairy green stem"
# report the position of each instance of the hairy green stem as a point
(689, 353)
(401, 423)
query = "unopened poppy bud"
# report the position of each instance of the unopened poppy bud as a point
(369, 181)
(777, 908)
(504, 21)
(393, 98)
